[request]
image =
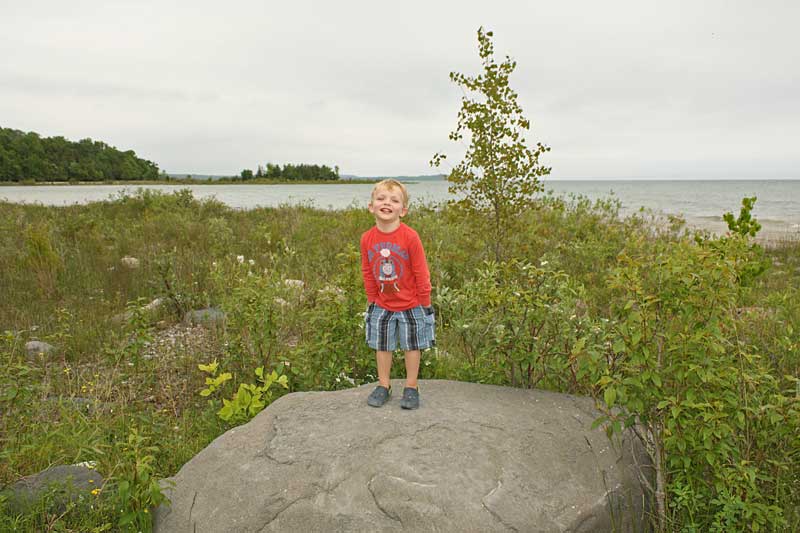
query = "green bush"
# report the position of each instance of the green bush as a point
(707, 407)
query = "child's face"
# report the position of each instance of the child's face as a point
(387, 205)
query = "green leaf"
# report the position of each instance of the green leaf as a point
(610, 396)
(598, 422)
(11, 393)
(127, 518)
(210, 368)
(635, 338)
(604, 380)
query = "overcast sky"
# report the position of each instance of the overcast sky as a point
(617, 89)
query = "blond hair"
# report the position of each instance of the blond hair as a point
(390, 185)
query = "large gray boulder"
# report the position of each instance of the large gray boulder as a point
(472, 458)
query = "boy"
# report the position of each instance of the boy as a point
(398, 286)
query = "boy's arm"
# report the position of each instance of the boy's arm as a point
(419, 265)
(370, 285)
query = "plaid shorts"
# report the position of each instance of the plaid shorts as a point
(413, 327)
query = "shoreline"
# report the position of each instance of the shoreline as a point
(782, 227)
(771, 234)
(183, 182)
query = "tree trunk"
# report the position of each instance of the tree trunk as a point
(660, 492)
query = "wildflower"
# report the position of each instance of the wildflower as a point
(240, 259)
(251, 262)
(543, 263)
(67, 370)
(95, 492)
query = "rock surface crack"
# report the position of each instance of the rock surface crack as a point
(492, 511)
(380, 507)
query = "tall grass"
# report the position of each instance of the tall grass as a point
(119, 370)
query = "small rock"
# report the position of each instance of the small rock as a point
(35, 348)
(294, 283)
(121, 318)
(331, 290)
(155, 304)
(207, 316)
(755, 312)
(65, 483)
(86, 405)
(130, 262)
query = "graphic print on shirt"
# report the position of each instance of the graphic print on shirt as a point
(389, 270)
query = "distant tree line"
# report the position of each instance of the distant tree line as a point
(27, 156)
(292, 173)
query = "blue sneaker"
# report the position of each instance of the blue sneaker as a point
(379, 396)
(410, 398)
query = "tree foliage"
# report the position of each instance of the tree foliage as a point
(499, 173)
(28, 156)
(291, 172)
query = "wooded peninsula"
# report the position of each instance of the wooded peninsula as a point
(27, 157)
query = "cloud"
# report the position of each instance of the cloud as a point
(618, 89)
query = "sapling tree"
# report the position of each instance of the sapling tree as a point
(499, 173)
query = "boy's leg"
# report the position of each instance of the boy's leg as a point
(410, 398)
(412, 367)
(384, 360)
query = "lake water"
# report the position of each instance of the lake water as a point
(702, 203)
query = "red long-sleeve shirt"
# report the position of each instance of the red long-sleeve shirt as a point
(395, 270)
